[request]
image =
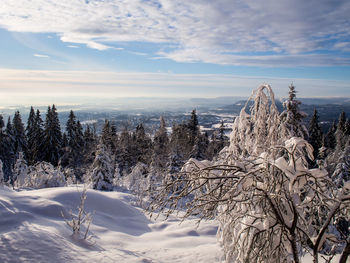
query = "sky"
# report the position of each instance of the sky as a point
(172, 48)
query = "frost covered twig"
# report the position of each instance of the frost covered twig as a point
(82, 218)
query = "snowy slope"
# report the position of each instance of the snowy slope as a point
(32, 229)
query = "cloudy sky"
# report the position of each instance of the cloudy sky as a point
(169, 48)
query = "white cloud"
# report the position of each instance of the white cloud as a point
(41, 56)
(223, 31)
(111, 84)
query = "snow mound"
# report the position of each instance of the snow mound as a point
(32, 229)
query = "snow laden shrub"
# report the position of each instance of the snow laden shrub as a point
(20, 171)
(271, 207)
(269, 210)
(137, 181)
(102, 170)
(44, 175)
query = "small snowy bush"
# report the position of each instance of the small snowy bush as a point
(44, 175)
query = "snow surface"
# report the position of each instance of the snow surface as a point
(32, 229)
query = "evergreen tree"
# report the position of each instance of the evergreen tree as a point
(102, 172)
(2, 124)
(2, 178)
(193, 127)
(142, 145)
(329, 140)
(39, 139)
(160, 147)
(31, 136)
(20, 140)
(2, 138)
(88, 151)
(315, 134)
(109, 136)
(70, 130)
(73, 143)
(200, 147)
(53, 137)
(292, 117)
(347, 127)
(340, 134)
(9, 151)
(125, 157)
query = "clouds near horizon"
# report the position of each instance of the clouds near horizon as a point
(233, 32)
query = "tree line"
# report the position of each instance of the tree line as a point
(77, 147)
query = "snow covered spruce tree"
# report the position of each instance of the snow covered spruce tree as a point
(271, 207)
(102, 170)
(2, 179)
(52, 137)
(292, 116)
(315, 134)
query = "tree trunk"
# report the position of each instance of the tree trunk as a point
(345, 254)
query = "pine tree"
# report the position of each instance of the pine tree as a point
(2, 178)
(39, 139)
(2, 124)
(53, 137)
(315, 134)
(193, 127)
(31, 139)
(109, 136)
(70, 129)
(160, 147)
(19, 134)
(125, 157)
(347, 127)
(9, 151)
(340, 134)
(142, 145)
(102, 171)
(292, 117)
(200, 147)
(329, 140)
(73, 143)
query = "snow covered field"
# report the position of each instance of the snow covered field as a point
(32, 229)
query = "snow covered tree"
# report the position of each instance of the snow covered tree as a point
(2, 178)
(52, 137)
(72, 156)
(109, 136)
(20, 140)
(200, 148)
(142, 145)
(102, 170)
(193, 127)
(160, 148)
(253, 133)
(292, 117)
(329, 139)
(315, 134)
(271, 207)
(8, 157)
(31, 139)
(20, 171)
(340, 133)
(347, 127)
(125, 157)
